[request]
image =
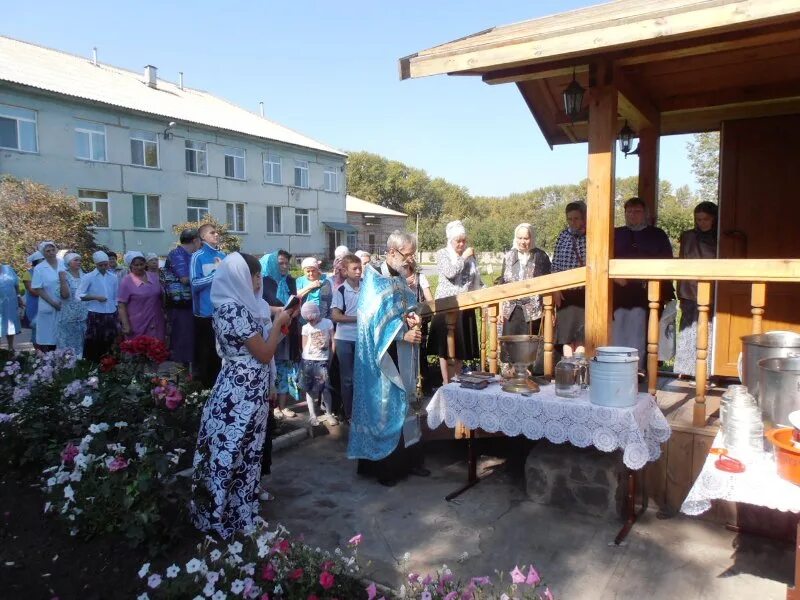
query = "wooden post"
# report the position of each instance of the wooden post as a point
(484, 332)
(701, 368)
(600, 207)
(492, 310)
(758, 299)
(547, 301)
(648, 170)
(654, 300)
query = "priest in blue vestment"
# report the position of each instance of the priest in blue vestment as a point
(383, 436)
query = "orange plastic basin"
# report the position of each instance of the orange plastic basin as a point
(786, 455)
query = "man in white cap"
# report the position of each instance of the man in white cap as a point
(99, 289)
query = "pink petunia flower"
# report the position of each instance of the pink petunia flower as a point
(548, 594)
(412, 578)
(118, 464)
(533, 577)
(69, 453)
(296, 574)
(480, 580)
(517, 576)
(372, 591)
(326, 580)
(268, 573)
(355, 540)
(451, 596)
(174, 399)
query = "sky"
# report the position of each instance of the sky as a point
(330, 71)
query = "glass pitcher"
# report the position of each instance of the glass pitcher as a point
(570, 375)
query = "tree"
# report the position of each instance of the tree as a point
(32, 212)
(227, 241)
(704, 155)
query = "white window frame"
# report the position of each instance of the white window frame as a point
(235, 227)
(331, 180)
(273, 165)
(191, 206)
(301, 169)
(7, 111)
(304, 215)
(136, 136)
(201, 149)
(274, 211)
(91, 129)
(147, 224)
(82, 199)
(239, 156)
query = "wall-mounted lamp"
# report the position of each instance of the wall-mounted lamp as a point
(167, 133)
(573, 98)
(626, 136)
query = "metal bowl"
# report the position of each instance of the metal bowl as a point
(519, 349)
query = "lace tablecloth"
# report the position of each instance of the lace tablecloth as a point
(638, 430)
(759, 485)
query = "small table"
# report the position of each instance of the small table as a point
(637, 430)
(759, 485)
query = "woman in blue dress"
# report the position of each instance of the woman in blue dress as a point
(227, 463)
(71, 327)
(10, 303)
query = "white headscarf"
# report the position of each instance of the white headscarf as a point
(99, 257)
(35, 256)
(44, 245)
(340, 251)
(130, 255)
(233, 283)
(454, 229)
(362, 253)
(68, 258)
(151, 255)
(523, 256)
(309, 311)
(309, 261)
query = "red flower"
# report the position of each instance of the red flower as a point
(268, 573)
(327, 565)
(69, 453)
(312, 597)
(107, 363)
(326, 580)
(296, 574)
(282, 546)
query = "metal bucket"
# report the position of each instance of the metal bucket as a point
(773, 344)
(779, 384)
(519, 349)
(613, 376)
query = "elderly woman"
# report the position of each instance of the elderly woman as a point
(570, 253)
(73, 314)
(47, 285)
(140, 300)
(10, 303)
(365, 257)
(523, 261)
(458, 272)
(152, 263)
(31, 299)
(700, 242)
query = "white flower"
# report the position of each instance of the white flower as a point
(94, 428)
(51, 482)
(154, 580)
(47, 506)
(81, 461)
(172, 571)
(235, 548)
(120, 424)
(464, 556)
(141, 450)
(193, 566)
(87, 401)
(198, 598)
(208, 590)
(215, 554)
(69, 493)
(144, 570)
(407, 557)
(237, 586)
(212, 577)
(76, 475)
(220, 595)
(249, 569)
(278, 590)
(143, 597)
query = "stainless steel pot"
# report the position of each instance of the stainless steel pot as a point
(779, 386)
(773, 344)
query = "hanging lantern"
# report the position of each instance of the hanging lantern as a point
(626, 136)
(573, 98)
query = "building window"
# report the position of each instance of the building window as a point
(301, 173)
(234, 215)
(196, 157)
(273, 219)
(234, 163)
(18, 129)
(144, 148)
(146, 211)
(352, 240)
(196, 210)
(90, 141)
(97, 202)
(331, 181)
(272, 169)
(301, 221)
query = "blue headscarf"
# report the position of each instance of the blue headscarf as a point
(270, 268)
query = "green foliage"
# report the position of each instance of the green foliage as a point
(228, 242)
(32, 212)
(704, 154)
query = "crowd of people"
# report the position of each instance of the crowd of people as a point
(349, 343)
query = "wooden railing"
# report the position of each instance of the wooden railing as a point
(757, 272)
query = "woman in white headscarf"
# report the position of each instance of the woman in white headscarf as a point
(46, 285)
(458, 272)
(71, 331)
(227, 463)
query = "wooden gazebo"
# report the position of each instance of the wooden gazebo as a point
(668, 67)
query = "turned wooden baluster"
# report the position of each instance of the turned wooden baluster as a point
(451, 319)
(701, 368)
(492, 310)
(758, 299)
(653, 302)
(547, 301)
(484, 332)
